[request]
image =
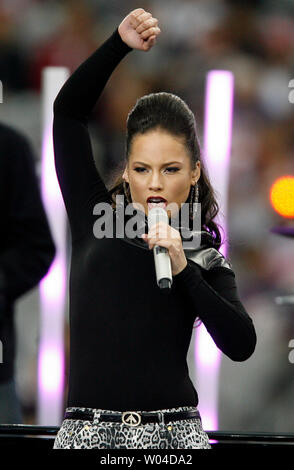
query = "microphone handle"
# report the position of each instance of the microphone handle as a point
(162, 267)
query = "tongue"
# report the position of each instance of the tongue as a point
(156, 204)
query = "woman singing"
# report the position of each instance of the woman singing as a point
(129, 385)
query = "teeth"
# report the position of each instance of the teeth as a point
(156, 204)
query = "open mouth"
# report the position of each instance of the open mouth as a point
(156, 202)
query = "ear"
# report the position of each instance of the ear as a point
(125, 175)
(196, 173)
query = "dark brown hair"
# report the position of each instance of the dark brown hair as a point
(168, 112)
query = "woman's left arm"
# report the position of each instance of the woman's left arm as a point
(214, 298)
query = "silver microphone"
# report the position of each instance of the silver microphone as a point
(161, 254)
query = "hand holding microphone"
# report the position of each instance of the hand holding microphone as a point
(172, 260)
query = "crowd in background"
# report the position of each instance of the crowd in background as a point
(253, 39)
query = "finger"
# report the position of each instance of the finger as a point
(159, 234)
(154, 240)
(149, 43)
(147, 24)
(162, 233)
(154, 31)
(144, 16)
(174, 247)
(137, 12)
(160, 225)
(161, 242)
(134, 17)
(152, 41)
(155, 231)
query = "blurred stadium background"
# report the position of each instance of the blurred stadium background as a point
(254, 40)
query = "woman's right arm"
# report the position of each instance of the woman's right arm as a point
(80, 183)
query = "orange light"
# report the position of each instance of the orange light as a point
(282, 196)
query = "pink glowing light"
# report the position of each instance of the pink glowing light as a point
(50, 184)
(218, 117)
(51, 369)
(53, 285)
(217, 148)
(205, 349)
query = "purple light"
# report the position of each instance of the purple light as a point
(53, 285)
(205, 349)
(207, 363)
(50, 186)
(217, 147)
(218, 117)
(51, 369)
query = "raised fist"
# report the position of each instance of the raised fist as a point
(139, 30)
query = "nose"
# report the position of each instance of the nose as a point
(155, 181)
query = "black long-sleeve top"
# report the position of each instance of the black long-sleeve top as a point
(129, 342)
(27, 248)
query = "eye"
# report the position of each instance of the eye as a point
(173, 169)
(138, 169)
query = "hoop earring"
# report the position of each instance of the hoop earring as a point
(127, 192)
(193, 200)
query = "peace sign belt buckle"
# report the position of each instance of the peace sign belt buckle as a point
(131, 418)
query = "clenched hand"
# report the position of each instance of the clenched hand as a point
(139, 30)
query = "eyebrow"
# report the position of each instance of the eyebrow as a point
(164, 164)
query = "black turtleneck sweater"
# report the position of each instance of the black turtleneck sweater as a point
(128, 341)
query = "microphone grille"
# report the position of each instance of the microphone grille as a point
(156, 215)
